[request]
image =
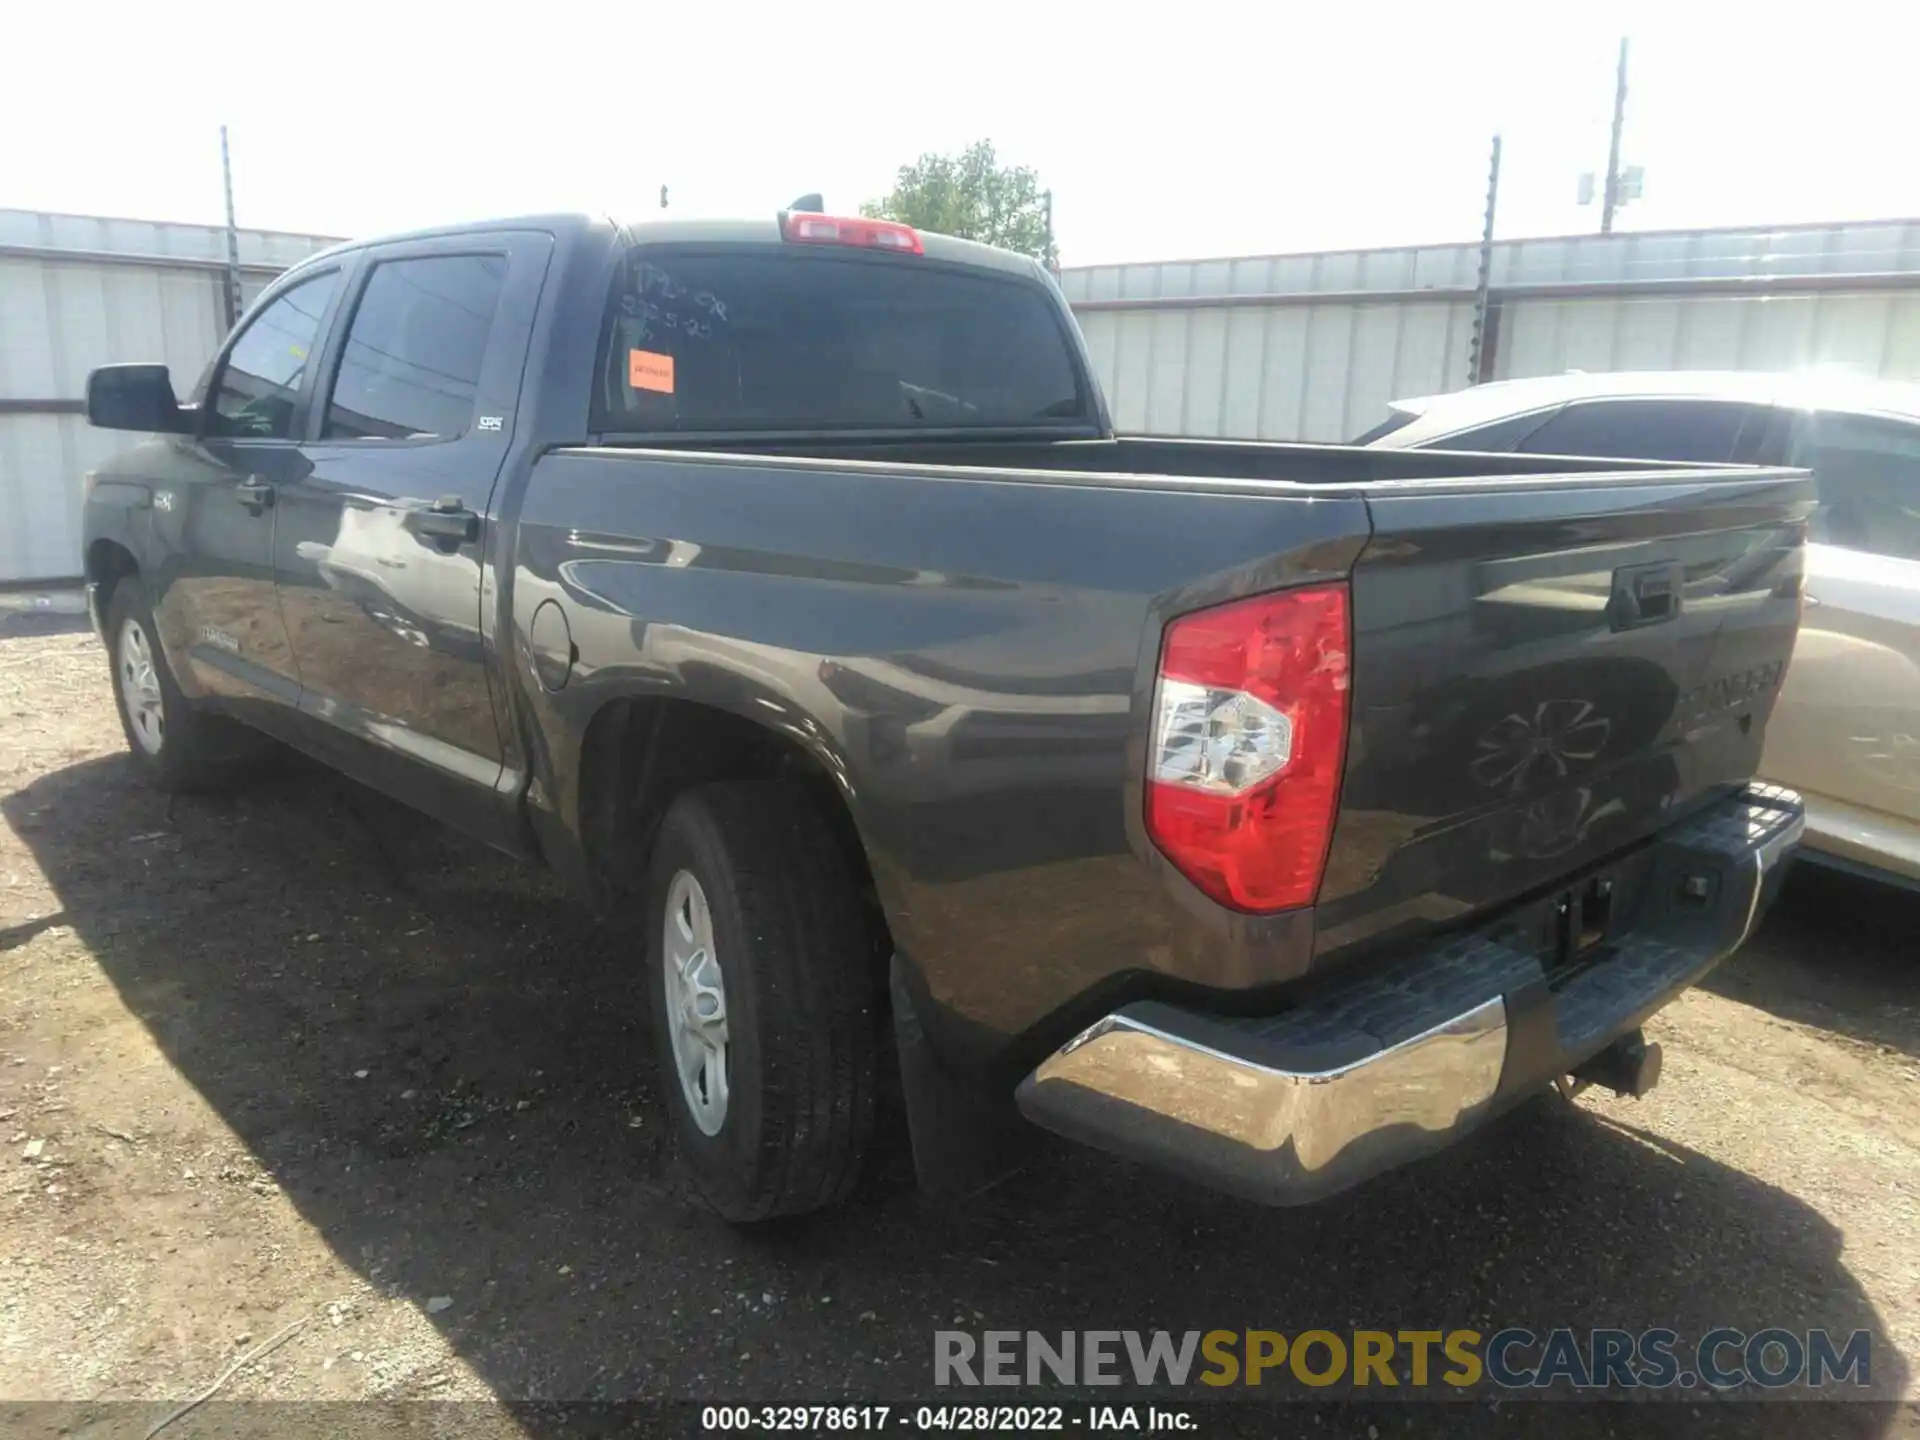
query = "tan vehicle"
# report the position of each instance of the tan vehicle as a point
(1846, 731)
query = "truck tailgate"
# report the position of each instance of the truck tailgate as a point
(1547, 671)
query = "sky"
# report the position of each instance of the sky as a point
(1165, 131)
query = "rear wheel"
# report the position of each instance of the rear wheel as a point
(175, 746)
(764, 1015)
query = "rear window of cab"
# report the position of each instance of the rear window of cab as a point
(783, 338)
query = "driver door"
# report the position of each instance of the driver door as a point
(214, 513)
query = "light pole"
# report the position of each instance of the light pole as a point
(233, 235)
(1481, 356)
(1610, 200)
(1621, 183)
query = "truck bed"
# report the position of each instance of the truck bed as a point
(1156, 458)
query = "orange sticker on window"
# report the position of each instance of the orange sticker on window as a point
(649, 370)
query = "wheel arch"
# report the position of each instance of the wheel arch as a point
(108, 561)
(639, 751)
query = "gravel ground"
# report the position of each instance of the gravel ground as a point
(296, 1055)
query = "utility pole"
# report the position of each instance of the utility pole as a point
(233, 235)
(1611, 195)
(1053, 259)
(1480, 358)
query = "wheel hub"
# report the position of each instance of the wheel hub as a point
(696, 1003)
(139, 685)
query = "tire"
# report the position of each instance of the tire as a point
(176, 747)
(789, 951)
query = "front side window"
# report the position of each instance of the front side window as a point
(265, 369)
(1869, 475)
(778, 339)
(1682, 430)
(411, 365)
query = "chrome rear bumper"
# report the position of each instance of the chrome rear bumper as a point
(1373, 1072)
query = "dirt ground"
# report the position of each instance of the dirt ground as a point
(296, 1055)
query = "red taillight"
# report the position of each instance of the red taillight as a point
(1249, 736)
(811, 229)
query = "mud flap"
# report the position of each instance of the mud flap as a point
(966, 1135)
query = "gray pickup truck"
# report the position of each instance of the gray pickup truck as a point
(1271, 813)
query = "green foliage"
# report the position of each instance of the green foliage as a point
(973, 196)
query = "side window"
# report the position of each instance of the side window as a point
(1501, 435)
(255, 389)
(1399, 420)
(1869, 474)
(411, 365)
(1704, 430)
(1765, 437)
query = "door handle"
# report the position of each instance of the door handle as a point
(255, 494)
(448, 522)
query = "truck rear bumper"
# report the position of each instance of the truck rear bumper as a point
(1374, 1071)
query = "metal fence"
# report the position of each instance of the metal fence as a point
(1311, 347)
(76, 292)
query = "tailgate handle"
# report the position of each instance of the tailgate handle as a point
(1644, 595)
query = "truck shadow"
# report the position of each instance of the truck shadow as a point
(1835, 953)
(278, 943)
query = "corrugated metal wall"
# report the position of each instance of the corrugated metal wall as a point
(1872, 332)
(76, 292)
(1311, 347)
(1270, 372)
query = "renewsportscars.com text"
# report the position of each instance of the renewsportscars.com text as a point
(1513, 1359)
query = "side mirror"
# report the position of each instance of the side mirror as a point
(134, 397)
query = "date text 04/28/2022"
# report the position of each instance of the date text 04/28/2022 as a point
(977, 1419)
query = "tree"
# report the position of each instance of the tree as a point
(973, 196)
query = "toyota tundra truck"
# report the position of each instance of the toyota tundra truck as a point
(1270, 813)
